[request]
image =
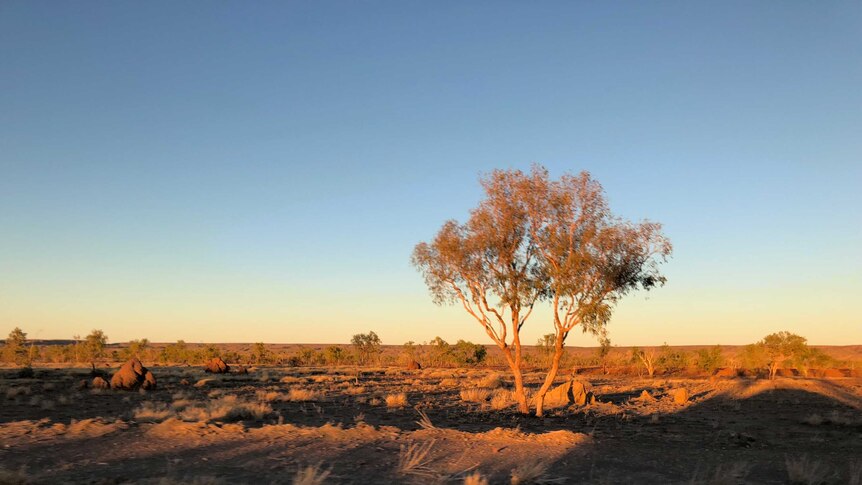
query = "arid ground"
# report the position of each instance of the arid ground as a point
(391, 425)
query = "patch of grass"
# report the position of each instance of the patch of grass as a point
(803, 470)
(300, 394)
(152, 412)
(475, 394)
(501, 399)
(475, 478)
(14, 477)
(535, 471)
(723, 474)
(413, 459)
(491, 381)
(396, 400)
(311, 475)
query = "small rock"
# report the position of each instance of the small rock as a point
(99, 383)
(680, 396)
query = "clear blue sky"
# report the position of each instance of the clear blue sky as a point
(234, 171)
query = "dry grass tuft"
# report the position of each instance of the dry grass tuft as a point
(311, 475)
(227, 408)
(491, 381)
(413, 459)
(501, 399)
(396, 400)
(475, 394)
(424, 421)
(533, 472)
(724, 475)
(152, 412)
(803, 470)
(11, 477)
(203, 382)
(299, 394)
(475, 478)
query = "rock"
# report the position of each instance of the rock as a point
(680, 396)
(99, 383)
(413, 365)
(133, 376)
(567, 393)
(559, 396)
(646, 396)
(84, 384)
(216, 366)
(149, 381)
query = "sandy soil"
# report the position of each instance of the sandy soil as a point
(273, 424)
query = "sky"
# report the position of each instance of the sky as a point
(242, 172)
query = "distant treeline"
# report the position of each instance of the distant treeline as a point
(367, 349)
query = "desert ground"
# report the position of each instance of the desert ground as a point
(392, 425)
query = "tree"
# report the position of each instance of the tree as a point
(335, 355)
(94, 345)
(468, 353)
(604, 351)
(489, 266)
(367, 347)
(545, 345)
(260, 354)
(646, 358)
(138, 348)
(588, 257)
(781, 347)
(710, 359)
(533, 238)
(16, 346)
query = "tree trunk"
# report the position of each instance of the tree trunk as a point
(520, 395)
(515, 364)
(549, 379)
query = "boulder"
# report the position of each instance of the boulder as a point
(413, 365)
(99, 383)
(149, 381)
(133, 376)
(567, 393)
(832, 373)
(216, 366)
(680, 396)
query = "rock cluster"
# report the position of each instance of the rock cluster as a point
(216, 366)
(132, 376)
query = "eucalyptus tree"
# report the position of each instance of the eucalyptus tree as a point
(531, 239)
(589, 258)
(488, 265)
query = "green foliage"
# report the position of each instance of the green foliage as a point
(782, 348)
(335, 355)
(367, 347)
(672, 360)
(754, 357)
(138, 348)
(309, 356)
(177, 353)
(709, 360)
(15, 350)
(260, 354)
(94, 345)
(467, 353)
